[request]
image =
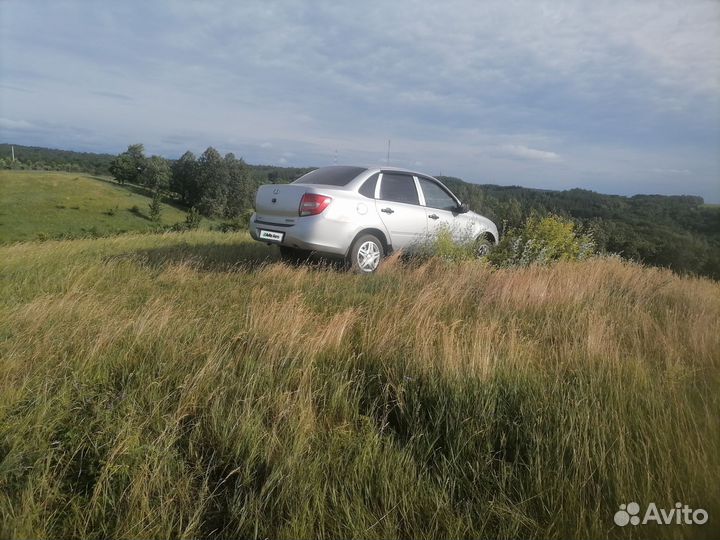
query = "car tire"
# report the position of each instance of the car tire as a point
(366, 254)
(293, 255)
(483, 246)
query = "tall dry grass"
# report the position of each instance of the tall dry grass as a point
(191, 386)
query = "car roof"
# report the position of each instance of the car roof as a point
(380, 168)
(368, 171)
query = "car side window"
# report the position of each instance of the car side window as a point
(435, 196)
(368, 187)
(398, 188)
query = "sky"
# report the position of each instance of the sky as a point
(617, 97)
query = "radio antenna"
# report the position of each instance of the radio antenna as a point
(388, 154)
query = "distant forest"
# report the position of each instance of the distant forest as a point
(678, 232)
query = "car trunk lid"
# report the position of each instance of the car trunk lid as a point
(279, 200)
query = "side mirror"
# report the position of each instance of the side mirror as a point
(463, 208)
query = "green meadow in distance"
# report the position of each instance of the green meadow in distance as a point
(45, 205)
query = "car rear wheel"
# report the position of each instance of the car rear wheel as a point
(366, 253)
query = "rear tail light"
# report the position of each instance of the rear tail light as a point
(312, 204)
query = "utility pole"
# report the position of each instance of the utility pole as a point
(388, 154)
(13, 153)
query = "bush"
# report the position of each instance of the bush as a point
(240, 223)
(191, 223)
(233, 225)
(446, 248)
(442, 246)
(192, 219)
(541, 241)
(155, 208)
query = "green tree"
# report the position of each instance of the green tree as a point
(156, 173)
(155, 207)
(213, 180)
(128, 166)
(184, 180)
(239, 190)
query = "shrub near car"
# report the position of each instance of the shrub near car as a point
(362, 214)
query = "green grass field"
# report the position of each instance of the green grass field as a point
(188, 385)
(41, 205)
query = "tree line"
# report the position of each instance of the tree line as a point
(212, 184)
(677, 232)
(48, 159)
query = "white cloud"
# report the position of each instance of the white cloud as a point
(683, 172)
(523, 152)
(528, 82)
(18, 125)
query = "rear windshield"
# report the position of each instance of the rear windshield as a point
(337, 175)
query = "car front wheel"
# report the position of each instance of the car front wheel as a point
(483, 246)
(366, 253)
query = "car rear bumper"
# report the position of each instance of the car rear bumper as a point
(311, 233)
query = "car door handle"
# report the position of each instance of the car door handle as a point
(388, 210)
(434, 216)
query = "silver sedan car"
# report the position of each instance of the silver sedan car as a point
(362, 214)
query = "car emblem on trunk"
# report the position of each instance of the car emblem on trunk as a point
(276, 191)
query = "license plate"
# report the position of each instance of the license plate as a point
(271, 235)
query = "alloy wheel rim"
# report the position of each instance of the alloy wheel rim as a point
(368, 256)
(482, 250)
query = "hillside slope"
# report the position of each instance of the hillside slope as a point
(188, 385)
(37, 157)
(35, 204)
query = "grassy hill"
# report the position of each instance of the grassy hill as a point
(38, 204)
(188, 385)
